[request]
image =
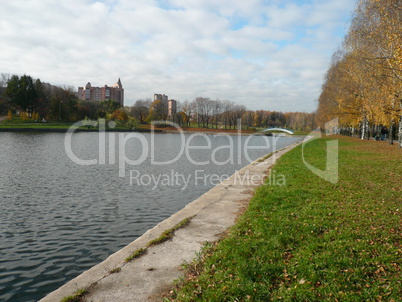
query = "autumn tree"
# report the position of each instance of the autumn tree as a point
(258, 114)
(186, 113)
(248, 119)
(364, 85)
(156, 111)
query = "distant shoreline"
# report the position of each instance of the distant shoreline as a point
(62, 130)
(43, 128)
(157, 130)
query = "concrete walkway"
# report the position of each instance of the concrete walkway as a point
(149, 276)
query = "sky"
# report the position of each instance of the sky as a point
(264, 54)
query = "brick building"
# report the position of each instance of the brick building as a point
(105, 93)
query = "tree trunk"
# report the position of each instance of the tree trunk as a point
(391, 134)
(400, 132)
(364, 128)
(400, 125)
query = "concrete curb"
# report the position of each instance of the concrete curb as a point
(147, 277)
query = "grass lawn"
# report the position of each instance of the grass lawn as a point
(18, 123)
(312, 240)
(297, 132)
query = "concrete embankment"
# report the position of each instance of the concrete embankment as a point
(146, 278)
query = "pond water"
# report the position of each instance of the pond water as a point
(62, 211)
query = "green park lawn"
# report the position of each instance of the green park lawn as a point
(312, 240)
(17, 122)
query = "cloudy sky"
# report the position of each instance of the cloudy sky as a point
(264, 54)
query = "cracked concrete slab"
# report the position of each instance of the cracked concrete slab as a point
(147, 277)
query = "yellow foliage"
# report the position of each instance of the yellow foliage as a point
(35, 116)
(364, 82)
(9, 115)
(120, 115)
(24, 115)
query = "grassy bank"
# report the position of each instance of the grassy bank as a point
(16, 123)
(312, 240)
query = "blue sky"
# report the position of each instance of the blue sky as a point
(269, 55)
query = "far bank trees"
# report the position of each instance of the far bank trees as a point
(37, 100)
(205, 112)
(32, 98)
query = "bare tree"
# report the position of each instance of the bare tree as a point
(140, 110)
(227, 108)
(202, 109)
(216, 112)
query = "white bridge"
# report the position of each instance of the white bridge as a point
(278, 129)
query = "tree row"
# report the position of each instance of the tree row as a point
(33, 99)
(220, 114)
(363, 85)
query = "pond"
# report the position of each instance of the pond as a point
(68, 202)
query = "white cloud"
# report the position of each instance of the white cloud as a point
(263, 54)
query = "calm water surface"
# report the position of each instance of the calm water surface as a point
(59, 218)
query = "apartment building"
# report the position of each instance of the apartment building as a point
(105, 93)
(168, 107)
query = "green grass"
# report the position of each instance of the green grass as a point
(168, 234)
(165, 236)
(17, 122)
(77, 297)
(115, 270)
(312, 240)
(138, 253)
(298, 132)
